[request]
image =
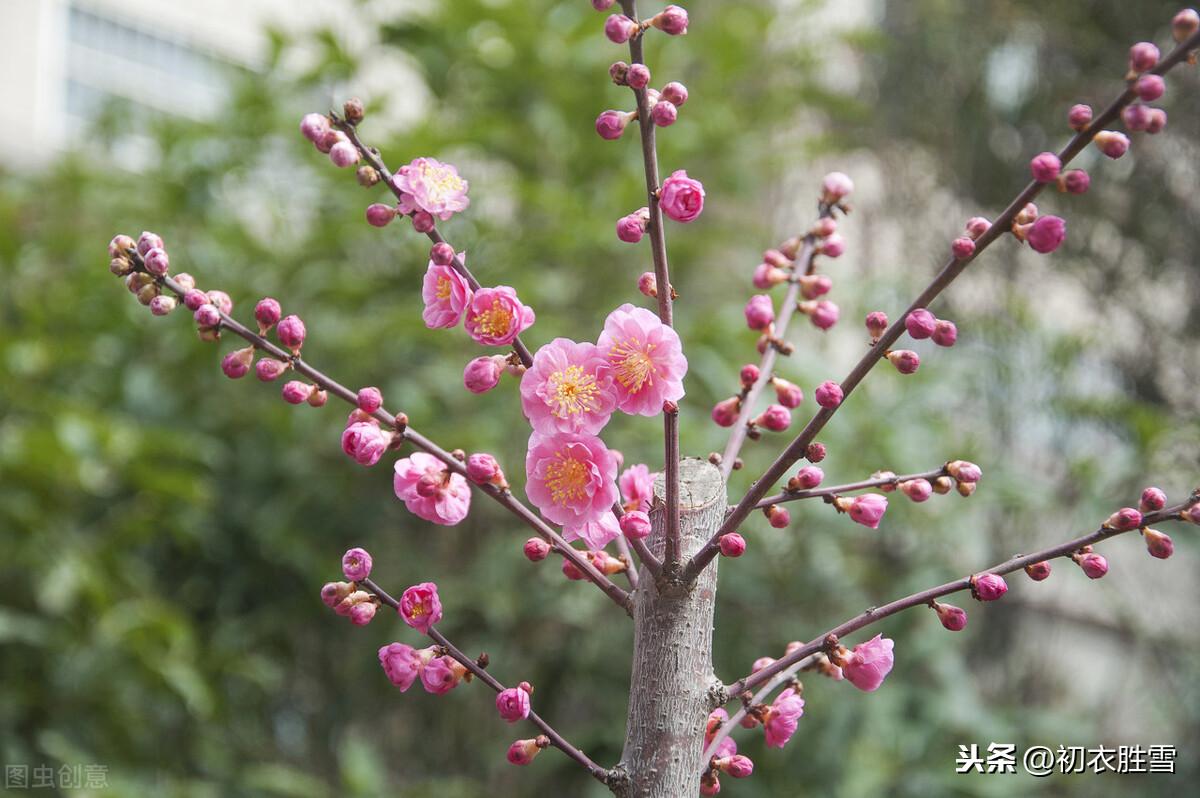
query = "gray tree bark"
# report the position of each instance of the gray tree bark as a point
(669, 698)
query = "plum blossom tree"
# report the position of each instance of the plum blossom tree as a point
(659, 531)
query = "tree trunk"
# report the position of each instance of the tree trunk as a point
(669, 697)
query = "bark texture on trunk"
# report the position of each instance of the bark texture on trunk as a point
(672, 650)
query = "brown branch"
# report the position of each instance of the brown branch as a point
(874, 614)
(815, 493)
(953, 268)
(556, 739)
(400, 424)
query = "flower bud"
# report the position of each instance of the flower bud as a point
(759, 312)
(664, 113)
(1150, 87)
(422, 222)
(1076, 181)
(536, 549)
(631, 227)
(737, 765)
(788, 393)
(157, 262)
(944, 333)
(768, 276)
(148, 241)
(192, 298)
(635, 525)
(1094, 565)
(886, 487)
(829, 394)
(296, 392)
(237, 363)
(442, 254)
(1158, 544)
(333, 593)
(366, 175)
(1152, 500)
(672, 20)
(267, 313)
(291, 332)
(269, 369)
(314, 127)
(1135, 117)
(675, 93)
(1124, 519)
(638, 76)
(344, 154)
(988, 587)
(977, 226)
(611, 124)
(906, 361)
(732, 544)
(1079, 117)
(867, 509)
(618, 28)
(1038, 571)
(1157, 121)
(207, 315)
(120, 266)
(356, 564)
(725, 413)
(1045, 167)
(920, 323)
(962, 247)
(749, 375)
(380, 215)
(777, 516)
(351, 601)
(148, 293)
(483, 373)
(353, 110)
(953, 618)
(835, 186)
(832, 246)
(806, 478)
(162, 304)
(775, 418)
(1185, 24)
(1026, 215)
(522, 752)
(918, 490)
(513, 704)
(1112, 143)
(815, 452)
(1046, 234)
(814, 285)
(943, 485)
(966, 489)
(824, 314)
(1143, 56)
(318, 398)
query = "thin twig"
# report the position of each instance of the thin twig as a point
(924, 597)
(953, 268)
(835, 490)
(728, 726)
(556, 739)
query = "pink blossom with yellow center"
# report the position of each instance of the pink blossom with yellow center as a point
(446, 294)
(569, 388)
(571, 477)
(495, 316)
(429, 185)
(647, 360)
(430, 491)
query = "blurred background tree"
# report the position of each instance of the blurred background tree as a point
(166, 532)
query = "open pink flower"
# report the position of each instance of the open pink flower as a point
(403, 664)
(569, 388)
(495, 316)
(782, 717)
(637, 487)
(420, 606)
(869, 663)
(572, 477)
(431, 491)
(429, 185)
(596, 533)
(647, 360)
(446, 294)
(365, 442)
(681, 197)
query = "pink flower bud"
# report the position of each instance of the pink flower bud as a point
(1136, 117)
(362, 613)
(618, 28)
(1094, 565)
(760, 312)
(268, 369)
(602, 5)
(920, 323)
(906, 361)
(815, 452)
(1045, 167)
(807, 478)
(675, 93)
(1112, 143)
(1153, 499)
(1143, 56)
(522, 752)
(778, 517)
(944, 333)
(1158, 544)
(988, 587)
(422, 222)
(1157, 121)
(157, 262)
(442, 254)
(635, 525)
(869, 663)
(162, 304)
(236, 364)
(343, 154)
(768, 276)
(788, 393)
(664, 113)
(193, 299)
(867, 509)
(1047, 234)
(672, 20)
(737, 766)
(832, 246)
(725, 413)
(775, 418)
(148, 241)
(513, 704)
(1150, 87)
(829, 394)
(356, 564)
(681, 197)
(296, 392)
(483, 373)
(611, 124)
(221, 300)
(618, 70)
(1076, 181)
(442, 674)
(1124, 519)
(420, 606)
(482, 469)
(185, 281)
(291, 332)
(962, 247)
(638, 76)
(749, 375)
(631, 228)
(824, 314)
(380, 215)
(877, 323)
(326, 142)
(709, 784)
(1038, 571)
(648, 284)
(1079, 117)
(953, 618)
(977, 226)
(814, 285)
(207, 315)
(964, 471)
(732, 545)
(267, 313)
(918, 490)
(318, 397)
(835, 186)
(1185, 24)
(536, 549)
(334, 593)
(314, 127)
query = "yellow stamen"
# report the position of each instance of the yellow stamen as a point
(566, 478)
(632, 364)
(573, 391)
(444, 288)
(496, 321)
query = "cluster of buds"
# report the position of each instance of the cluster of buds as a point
(961, 475)
(922, 324)
(364, 440)
(143, 264)
(664, 103)
(347, 598)
(601, 560)
(482, 374)
(725, 759)
(866, 665)
(319, 129)
(1044, 234)
(619, 28)
(1139, 116)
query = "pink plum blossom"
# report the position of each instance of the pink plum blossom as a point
(442, 674)
(495, 316)
(647, 360)
(403, 664)
(420, 606)
(365, 442)
(429, 185)
(446, 294)
(431, 491)
(569, 388)
(571, 477)
(356, 564)
(869, 663)
(681, 197)
(513, 704)
(635, 525)
(782, 717)
(637, 487)
(596, 533)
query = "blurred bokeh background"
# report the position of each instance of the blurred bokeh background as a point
(165, 531)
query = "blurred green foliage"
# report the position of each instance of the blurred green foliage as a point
(166, 532)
